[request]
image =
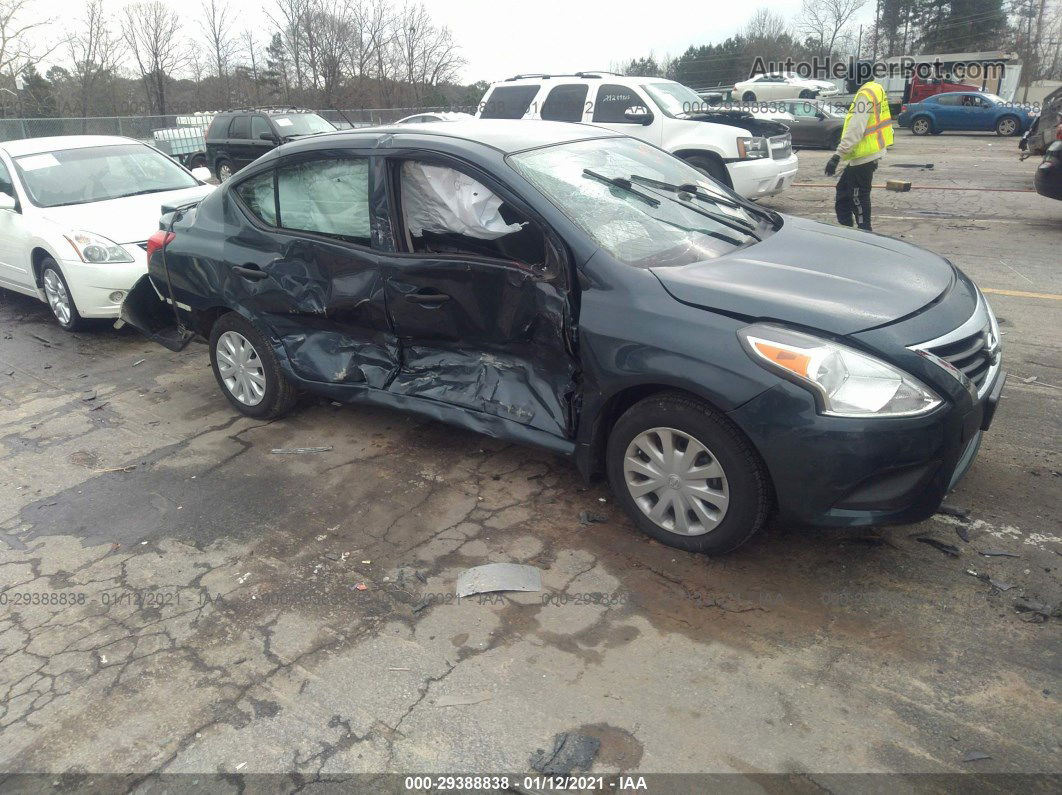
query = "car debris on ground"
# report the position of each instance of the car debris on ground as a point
(946, 548)
(492, 577)
(299, 450)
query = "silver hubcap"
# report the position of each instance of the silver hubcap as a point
(224, 172)
(1007, 126)
(240, 368)
(921, 126)
(676, 481)
(58, 298)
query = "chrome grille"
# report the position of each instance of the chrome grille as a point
(973, 349)
(781, 146)
(970, 355)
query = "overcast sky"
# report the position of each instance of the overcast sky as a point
(500, 39)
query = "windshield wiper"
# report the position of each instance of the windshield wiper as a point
(737, 224)
(622, 184)
(695, 190)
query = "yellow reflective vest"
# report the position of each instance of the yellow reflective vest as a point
(878, 135)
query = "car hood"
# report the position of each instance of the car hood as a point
(823, 277)
(131, 219)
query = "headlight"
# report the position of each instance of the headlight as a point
(845, 382)
(96, 248)
(750, 148)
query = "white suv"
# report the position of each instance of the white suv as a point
(753, 156)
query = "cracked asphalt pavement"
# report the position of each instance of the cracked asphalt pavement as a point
(177, 598)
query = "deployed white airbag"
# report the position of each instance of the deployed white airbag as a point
(439, 199)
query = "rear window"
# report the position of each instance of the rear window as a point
(565, 103)
(508, 102)
(219, 127)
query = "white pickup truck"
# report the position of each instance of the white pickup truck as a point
(753, 156)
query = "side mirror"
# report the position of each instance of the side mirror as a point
(268, 136)
(639, 114)
(202, 173)
(7, 201)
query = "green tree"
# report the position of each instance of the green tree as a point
(38, 95)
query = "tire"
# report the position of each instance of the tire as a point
(1007, 126)
(57, 294)
(199, 161)
(738, 501)
(258, 386)
(223, 170)
(710, 167)
(748, 96)
(922, 125)
(807, 93)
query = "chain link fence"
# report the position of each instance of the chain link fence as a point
(180, 135)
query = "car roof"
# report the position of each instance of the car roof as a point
(56, 143)
(505, 135)
(590, 78)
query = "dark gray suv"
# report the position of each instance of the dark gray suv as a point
(569, 287)
(236, 138)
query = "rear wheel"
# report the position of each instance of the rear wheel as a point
(223, 170)
(710, 167)
(687, 476)
(1007, 125)
(748, 96)
(60, 301)
(807, 93)
(922, 126)
(247, 369)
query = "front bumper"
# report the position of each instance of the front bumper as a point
(91, 285)
(845, 471)
(755, 179)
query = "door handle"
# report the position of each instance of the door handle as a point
(428, 299)
(252, 273)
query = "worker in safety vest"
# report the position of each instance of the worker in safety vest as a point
(866, 134)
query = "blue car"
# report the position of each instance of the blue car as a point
(962, 110)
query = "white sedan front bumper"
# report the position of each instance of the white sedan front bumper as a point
(95, 286)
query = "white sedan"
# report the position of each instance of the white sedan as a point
(782, 85)
(75, 215)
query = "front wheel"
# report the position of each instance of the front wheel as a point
(748, 96)
(247, 369)
(60, 301)
(1007, 126)
(687, 476)
(921, 126)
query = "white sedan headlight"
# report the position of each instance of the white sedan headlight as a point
(846, 382)
(96, 248)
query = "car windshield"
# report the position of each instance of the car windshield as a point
(674, 99)
(622, 193)
(98, 173)
(302, 124)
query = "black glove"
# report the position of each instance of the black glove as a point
(831, 165)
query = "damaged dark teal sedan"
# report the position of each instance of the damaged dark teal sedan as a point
(583, 291)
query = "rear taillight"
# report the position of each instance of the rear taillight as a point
(903, 108)
(157, 241)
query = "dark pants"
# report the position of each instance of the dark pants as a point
(853, 194)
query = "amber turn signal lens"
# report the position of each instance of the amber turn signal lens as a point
(783, 357)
